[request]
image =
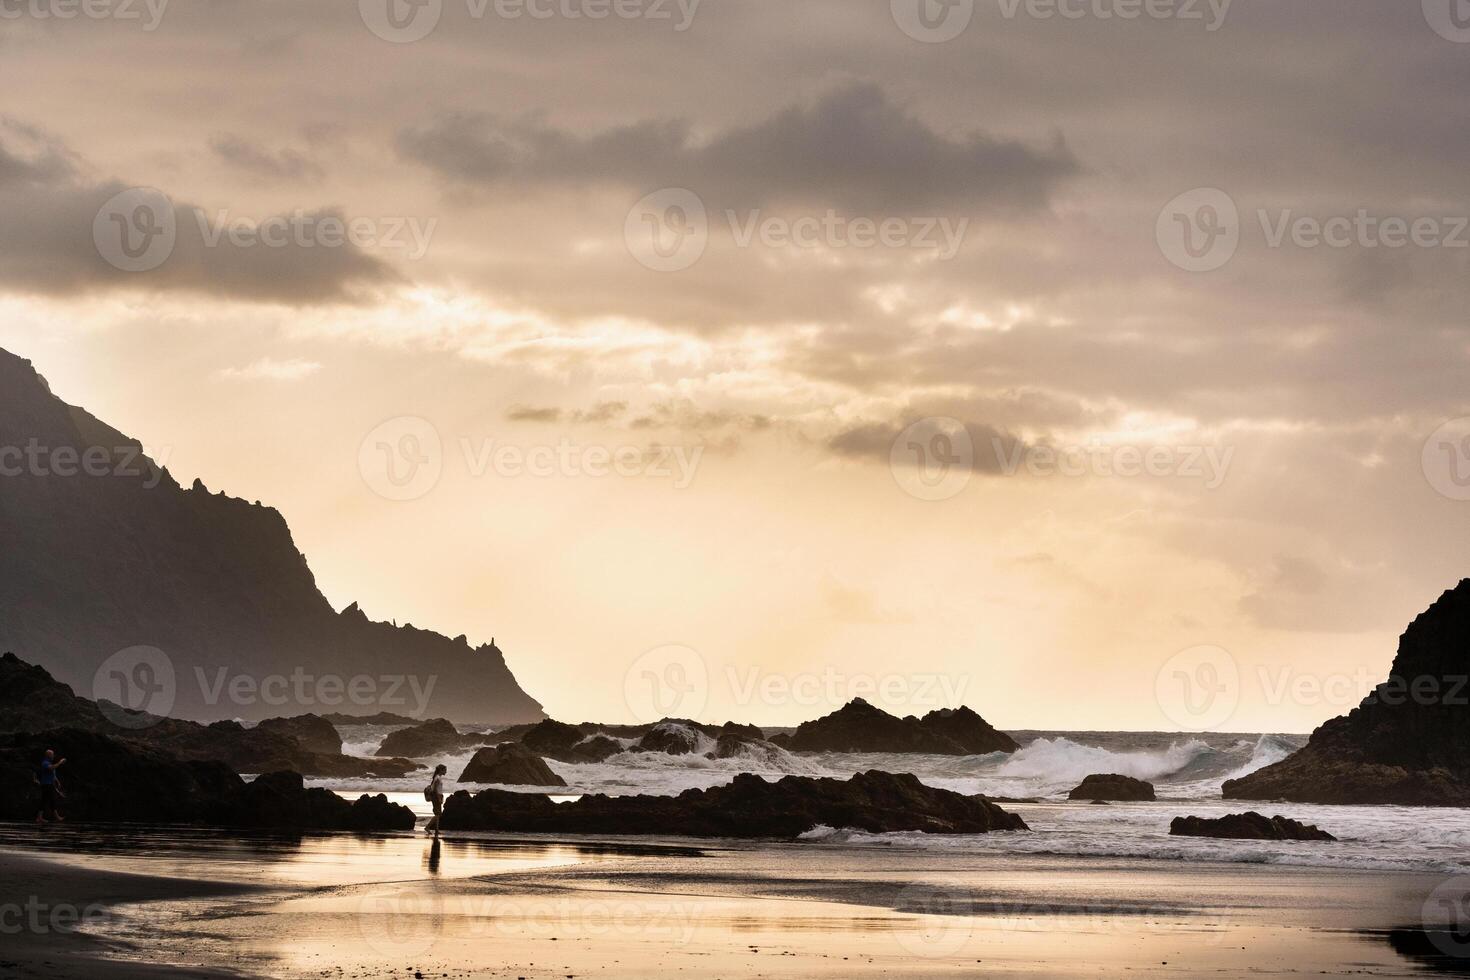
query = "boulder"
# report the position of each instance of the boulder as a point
(511, 764)
(1407, 743)
(553, 739)
(114, 780)
(281, 800)
(597, 748)
(860, 727)
(1246, 826)
(669, 739)
(749, 807)
(436, 737)
(312, 732)
(1112, 786)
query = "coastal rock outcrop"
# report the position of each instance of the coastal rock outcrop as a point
(431, 738)
(118, 781)
(860, 727)
(313, 732)
(749, 807)
(1407, 743)
(511, 764)
(568, 743)
(31, 700)
(1111, 786)
(1247, 826)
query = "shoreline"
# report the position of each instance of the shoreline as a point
(377, 905)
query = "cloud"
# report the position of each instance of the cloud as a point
(853, 148)
(48, 243)
(989, 447)
(269, 369)
(284, 164)
(527, 413)
(602, 412)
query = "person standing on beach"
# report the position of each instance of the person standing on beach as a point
(46, 777)
(436, 796)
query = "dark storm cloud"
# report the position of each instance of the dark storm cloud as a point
(48, 245)
(853, 148)
(283, 164)
(990, 452)
(30, 156)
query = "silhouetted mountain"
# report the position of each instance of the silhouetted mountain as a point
(1407, 743)
(103, 552)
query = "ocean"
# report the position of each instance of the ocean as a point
(1187, 771)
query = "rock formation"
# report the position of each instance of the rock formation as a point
(313, 732)
(860, 727)
(432, 738)
(1111, 786)
(32, 700)
(1246, 826)
(749, 807)
(1408, 743)
(119, 781)
(511, 764)
(101, 556)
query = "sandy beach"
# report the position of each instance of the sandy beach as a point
(196, 903)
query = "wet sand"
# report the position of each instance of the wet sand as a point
(396, 906)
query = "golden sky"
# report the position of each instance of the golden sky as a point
(856, 358)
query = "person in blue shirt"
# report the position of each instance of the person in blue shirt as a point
(46, 776)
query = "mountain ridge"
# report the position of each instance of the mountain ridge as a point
(107, 553)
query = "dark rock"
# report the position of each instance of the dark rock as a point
(598, 748)
(88, 565)
(1246, 826)
(749, 807)
(1111, 786)
(437, 737)
(31, 700)
(1408, 743)
(313, 732)
(114, 780)
(669, 739)
(511, 764)
(280, 800)
(860, 727)
(552, 739)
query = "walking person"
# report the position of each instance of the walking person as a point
(434, 793)
(50, 788)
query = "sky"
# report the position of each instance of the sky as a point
(1094, 363)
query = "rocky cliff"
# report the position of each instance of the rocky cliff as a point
(104, 551)
(1407, 743)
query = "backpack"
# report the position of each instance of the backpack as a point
(429, 793)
